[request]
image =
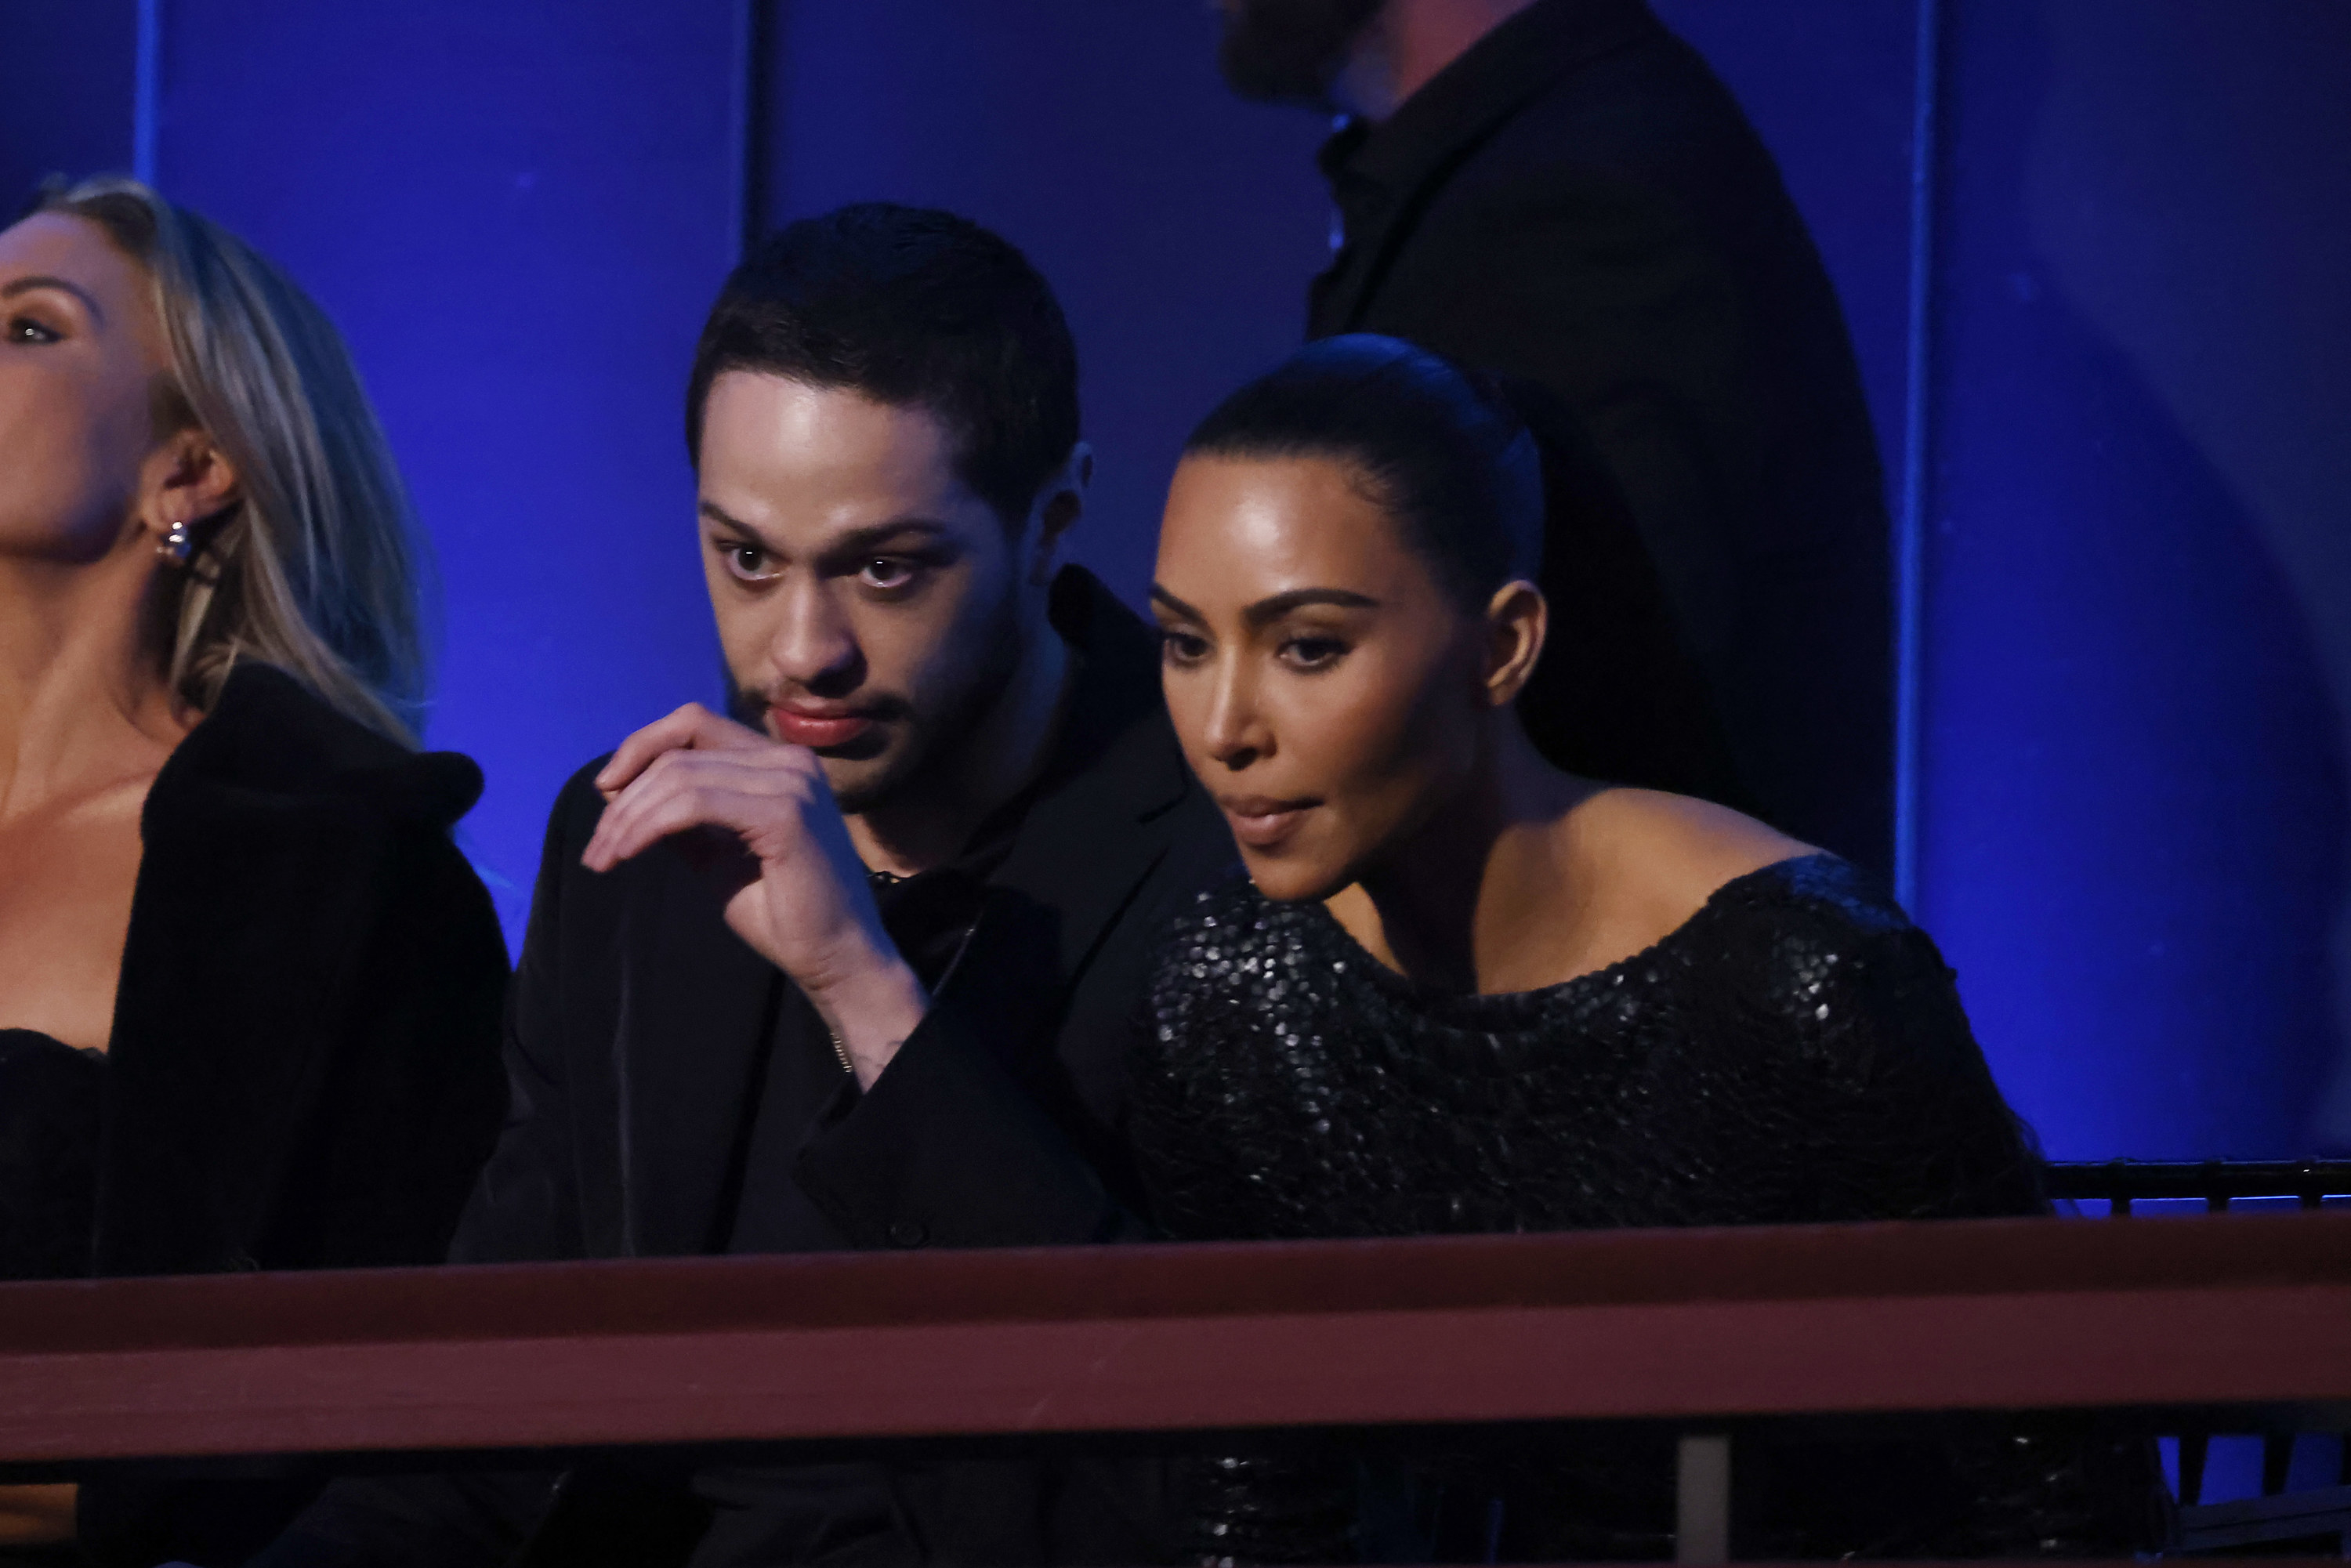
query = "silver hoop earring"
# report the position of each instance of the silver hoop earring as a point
(177, 545)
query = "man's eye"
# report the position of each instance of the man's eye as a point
(1182, 647)
(1313, 652)
(749, 563)
(886, 572)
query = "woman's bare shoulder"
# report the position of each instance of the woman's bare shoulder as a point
(1664, 856)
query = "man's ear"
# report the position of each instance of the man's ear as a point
(190, 479)
(1516, 621)
(1060, 502)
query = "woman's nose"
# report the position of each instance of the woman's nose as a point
(1237, 734)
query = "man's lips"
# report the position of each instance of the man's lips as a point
(1262, 822)
(820, 728)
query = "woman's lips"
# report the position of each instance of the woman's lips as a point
(817, 731)
(1262, 823)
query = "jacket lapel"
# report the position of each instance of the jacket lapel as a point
(269, 842)
(1086, 844)
(695, 1009)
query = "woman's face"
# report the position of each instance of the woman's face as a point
(82, 351)
(1328, 693)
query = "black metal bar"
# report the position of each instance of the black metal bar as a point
(2277, 1462)
(2121, 1182)
(2194, 1448)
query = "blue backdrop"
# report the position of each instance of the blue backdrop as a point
(2092, 255)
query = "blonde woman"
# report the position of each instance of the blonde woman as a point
(248, 988)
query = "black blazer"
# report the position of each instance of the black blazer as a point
(635, 1025)
(303, 1071)
(1578, 203)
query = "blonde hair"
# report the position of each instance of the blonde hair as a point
(318, 567)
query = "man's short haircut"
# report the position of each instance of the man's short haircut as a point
(1438, 446)
(912, 309)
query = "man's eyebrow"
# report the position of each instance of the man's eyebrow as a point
(899, 531)
(875, 537)
(1282, 604)
(43, 280)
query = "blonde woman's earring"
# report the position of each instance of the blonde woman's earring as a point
(176, 545)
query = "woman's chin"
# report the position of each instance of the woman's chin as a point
(1293, 879)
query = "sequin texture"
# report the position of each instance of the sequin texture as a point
(1795, 1053)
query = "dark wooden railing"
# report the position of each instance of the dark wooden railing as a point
(2243, 1316)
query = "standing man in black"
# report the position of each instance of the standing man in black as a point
(854, 967)
(1562, 192)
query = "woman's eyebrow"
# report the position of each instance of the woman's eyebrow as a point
(1160, 596)
(1282, 604)
(43, 280)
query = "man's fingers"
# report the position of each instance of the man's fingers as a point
(670, 811)
(692, 728)
(736, 790)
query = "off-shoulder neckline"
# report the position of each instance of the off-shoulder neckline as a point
(1426, 995)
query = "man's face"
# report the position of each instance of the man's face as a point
(867, 601)
(1289, 51)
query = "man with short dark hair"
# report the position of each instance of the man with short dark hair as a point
(1562, 192)
(853, 968)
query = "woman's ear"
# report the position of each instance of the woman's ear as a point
(189, 479)
(1517, 619)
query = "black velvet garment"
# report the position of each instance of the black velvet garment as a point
(1795, 1052)
(302, 1070)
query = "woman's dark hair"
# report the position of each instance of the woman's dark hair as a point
(912, 307)
(1436, 446)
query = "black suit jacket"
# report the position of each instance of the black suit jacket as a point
(303, 1071)
(636, 1022)
(1577, 202)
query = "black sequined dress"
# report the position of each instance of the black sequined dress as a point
(1795, 1053)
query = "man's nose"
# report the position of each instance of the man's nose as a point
(814, 646)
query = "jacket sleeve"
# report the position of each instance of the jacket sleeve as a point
(979, 1132)
(411, 1103)
(403, 1118)
(948, 1150)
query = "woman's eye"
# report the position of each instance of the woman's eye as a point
(1313, 652)
(886, 574)
(25, 329)
(1182, 647)
(749, 563)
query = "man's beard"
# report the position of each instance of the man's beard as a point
(1289, 51)
(937, 726)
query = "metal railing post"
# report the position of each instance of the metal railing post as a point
(1702, 1499)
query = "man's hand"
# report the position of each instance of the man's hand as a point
(760, 817)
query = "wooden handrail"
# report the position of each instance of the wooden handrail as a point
(1689, 1325)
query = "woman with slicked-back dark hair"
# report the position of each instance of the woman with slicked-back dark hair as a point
(1461, 990)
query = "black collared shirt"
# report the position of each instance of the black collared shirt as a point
(1376, 169)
